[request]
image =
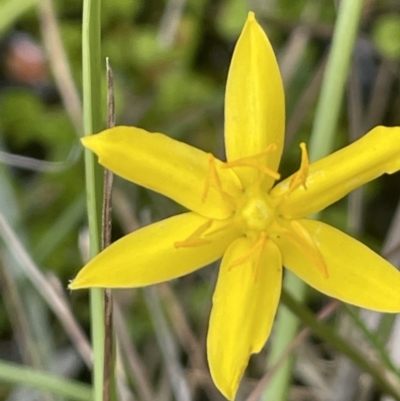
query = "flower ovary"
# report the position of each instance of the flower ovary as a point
(255, 213)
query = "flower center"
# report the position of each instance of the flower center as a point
(255, 212)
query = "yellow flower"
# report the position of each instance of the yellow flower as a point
(238, 215)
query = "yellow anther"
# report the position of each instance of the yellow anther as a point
(306, 242)
(195, 239)
(300, 177)
(253, 161)
(256, 248)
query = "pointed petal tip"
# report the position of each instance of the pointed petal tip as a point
(251, 16)
(251, 21)
(76, 284)
(230, 393)
(85, 139)
(72, 286)
(88, 141)
(97, 141)
(227, 389)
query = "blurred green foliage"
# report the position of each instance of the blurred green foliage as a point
(386, 34)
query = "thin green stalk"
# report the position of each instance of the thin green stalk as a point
(286, 329)
(92, 122)
(334, 83)
(321, 143)
(16, 374)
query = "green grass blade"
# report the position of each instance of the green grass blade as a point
(15, 374)
(92, 122)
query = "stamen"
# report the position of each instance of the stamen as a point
(251, 161)
(305, 241)
(195, 239)
(257, 247)
(212, 177)
(232, 223)
(300, 177)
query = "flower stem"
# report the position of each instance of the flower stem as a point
(334, 83)
(321, 143)
(92, 122)
(286, 329)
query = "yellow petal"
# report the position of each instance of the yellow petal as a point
(244, 306)
(356, 274)
(148, 255)
(167, 166)
(254, 102)
(336, 175)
